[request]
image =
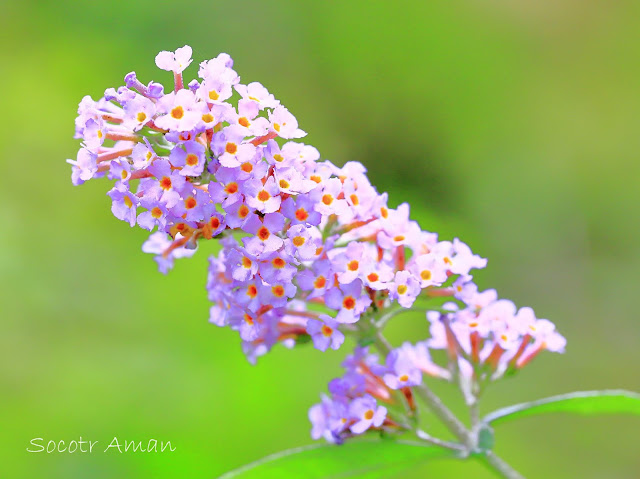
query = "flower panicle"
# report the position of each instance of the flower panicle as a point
(308, 248)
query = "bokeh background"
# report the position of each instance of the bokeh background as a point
(510, 124)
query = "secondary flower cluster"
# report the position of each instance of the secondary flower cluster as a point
(489, 335)
(353, 407)
(308, 248)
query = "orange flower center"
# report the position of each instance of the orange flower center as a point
(207, 117)
(373, 277)
(213, 95)
(191, 159)
(320, 282)
(244, 122)
(243, 211)
(284, 184)
(190, 203)
(263, 233)
(353, 265)
(327, 199)
(327, 331)
(156, 212)
(368, 415)
(278, 263)
(278, 291)
(165, 183)
(127, 201)
(231, 188)
(231, 148)
(298, 240)
(301, 214)
(246, 167)
(142, 116)
(349, 302)
(264, 195)
(177, 112)
(252, 291)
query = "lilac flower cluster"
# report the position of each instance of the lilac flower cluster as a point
(489, 334)
(483, 340)
(310, 250)
(354, 406)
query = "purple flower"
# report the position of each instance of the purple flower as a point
(428, 270)
(178, 111)
(300, 210)
(405, 289)
(158, 244)
(325, 333)
(247, 295)
(329, 204)
(402, 372)
(174, 61)
(265, 239)
(123, 204)
(366, 413)
(284, 123)
(241, 264)
(301, 242)
(349, 300)
(168, 184)
(191, 159)
(229, 147)
(119, 170)
(238, 214)
(264, 198)
(258, 94)
(84, 166)
(195, 205)
(138, 112)
(351, 262)
(277, 267)
(142, 155)
(156, 214)
(247, 324)
(276, 294)
(292, 181)
(247, 118)
(317, 280)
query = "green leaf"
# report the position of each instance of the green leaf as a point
(362, 459)
(581, 402)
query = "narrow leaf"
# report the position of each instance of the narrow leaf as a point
(362, 459)
(581, 402)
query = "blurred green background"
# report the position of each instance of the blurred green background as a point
(511, 124)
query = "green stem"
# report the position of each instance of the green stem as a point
(455, 426)
(501, 467)
(454, 446)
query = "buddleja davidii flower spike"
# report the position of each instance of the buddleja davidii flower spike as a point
(310, 251)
